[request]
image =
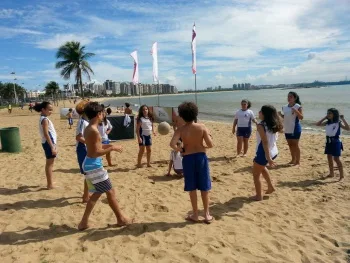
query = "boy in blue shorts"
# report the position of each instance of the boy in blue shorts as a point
(96, 176)
(195, 162)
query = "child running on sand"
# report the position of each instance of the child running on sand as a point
(96, 176)
(105, 127)
(266, 148)
(144, 130)
(175, 161)
(70, 118)
(48, 139)
(195, 162)
(81, 147)
(243, 120)
(334, 146)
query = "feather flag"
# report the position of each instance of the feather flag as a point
(154, 53)
(193, 46)
(135, 75)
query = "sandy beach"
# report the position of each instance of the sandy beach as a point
(305, 220)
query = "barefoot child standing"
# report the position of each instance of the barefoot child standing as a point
(334, 145)
(195, 162)
(96, 176)
(48, 138)
(70, 118)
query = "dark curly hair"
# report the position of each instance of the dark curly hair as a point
(296, 97)
(188, 111)
(150, 115)
(92, 109)
(336, 115)
(271, 118)
(39, 106)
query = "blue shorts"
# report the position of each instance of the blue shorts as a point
(81, 154)
(334, 148)
(105, 142)
(70, 121)
(96, 176)
(244, 132)
(196, 172)
(260, 157)
(293, 136)
(146, 140)
(47, 150)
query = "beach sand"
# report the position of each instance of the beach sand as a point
(305, 220)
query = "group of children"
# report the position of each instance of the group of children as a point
(189, 144)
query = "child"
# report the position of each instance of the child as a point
(144, 130)
(70, 118)
(334, 146)
(105, 127)
(10, 108)
(195, 162)
(81, 147)
(127, 109)
(266, 148)
(48, 139)
(175, 161)
(292, 114)
(96, 176)
(243, 120)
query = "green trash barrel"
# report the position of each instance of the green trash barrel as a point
(10, 140)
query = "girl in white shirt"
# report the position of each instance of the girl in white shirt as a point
(48, 138)
(334, 145)
(175, 161)
(105, 128)
(144, 129)
(243, 120)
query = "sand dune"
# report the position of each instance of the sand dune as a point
(305, 220)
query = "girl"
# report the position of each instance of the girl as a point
(266, 149)
(334, 146)
(243, 120)
(144, 130)
(105, 128)
(48, 138)
(292, 114)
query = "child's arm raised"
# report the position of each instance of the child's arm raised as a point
(345, 126)
(265, 144)
(320, 122)
(207, 138)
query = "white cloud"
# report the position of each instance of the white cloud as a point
(9, 13)
(59, 39)
(9, 32)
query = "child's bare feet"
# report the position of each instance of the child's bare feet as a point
(256, 198)
(270, 191)
(124, 222)
(192, 218)
(329, 176)
(139, 165)
(341, 178)
(149, 165)
(50, 187)
(83, 226)
(208, 219)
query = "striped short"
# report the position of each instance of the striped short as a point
(96, 176)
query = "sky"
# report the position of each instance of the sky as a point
(238, 41)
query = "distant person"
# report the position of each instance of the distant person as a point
(96, 176)
(31, 107)
(70, 118)
(48, 139)
(243, 120)
(334, 146)
(175, 161)
(9, 108)
(144, 130)
(22, 105)
(127, 109)
(105, 127)
(195, 162)
(266, 148)
(292, 113)
(75, 101)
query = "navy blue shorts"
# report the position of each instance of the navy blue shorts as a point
(70, 121)
(334, 148)
(293, 136)
(47, 150)
(146, 140)
(81, 154)
(105, 142)
(244, 132)
(196, 172)
(261, 159)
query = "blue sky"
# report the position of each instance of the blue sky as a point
(260, 41)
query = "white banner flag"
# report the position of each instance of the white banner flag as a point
(193, 46)
(135, 75)
(154, 53)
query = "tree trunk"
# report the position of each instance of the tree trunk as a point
(81, 85)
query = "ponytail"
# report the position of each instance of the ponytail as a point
(39, 106)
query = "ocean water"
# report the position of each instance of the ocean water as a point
(221, 106)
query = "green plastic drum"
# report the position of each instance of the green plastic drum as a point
(10, 140)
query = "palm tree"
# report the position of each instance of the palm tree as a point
(52, 88)
(74, 62)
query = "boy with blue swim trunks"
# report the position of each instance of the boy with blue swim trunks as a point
(96, 176)
(195, 162)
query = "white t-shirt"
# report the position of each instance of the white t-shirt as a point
(271, 140)
(103, 129)
(244, 118)
(146, 126)
(82, 124)
(177, 160)
(52, 131)
(290, 120)
(333, 129)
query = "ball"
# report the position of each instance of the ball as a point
(164, 128)
(80, 106)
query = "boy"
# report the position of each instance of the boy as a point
(96, 176)
(175, 161)
(195, 161)
(70, 118)
(81, 147)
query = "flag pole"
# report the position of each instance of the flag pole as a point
(195, 87)
(158, 93)
(139, 94)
